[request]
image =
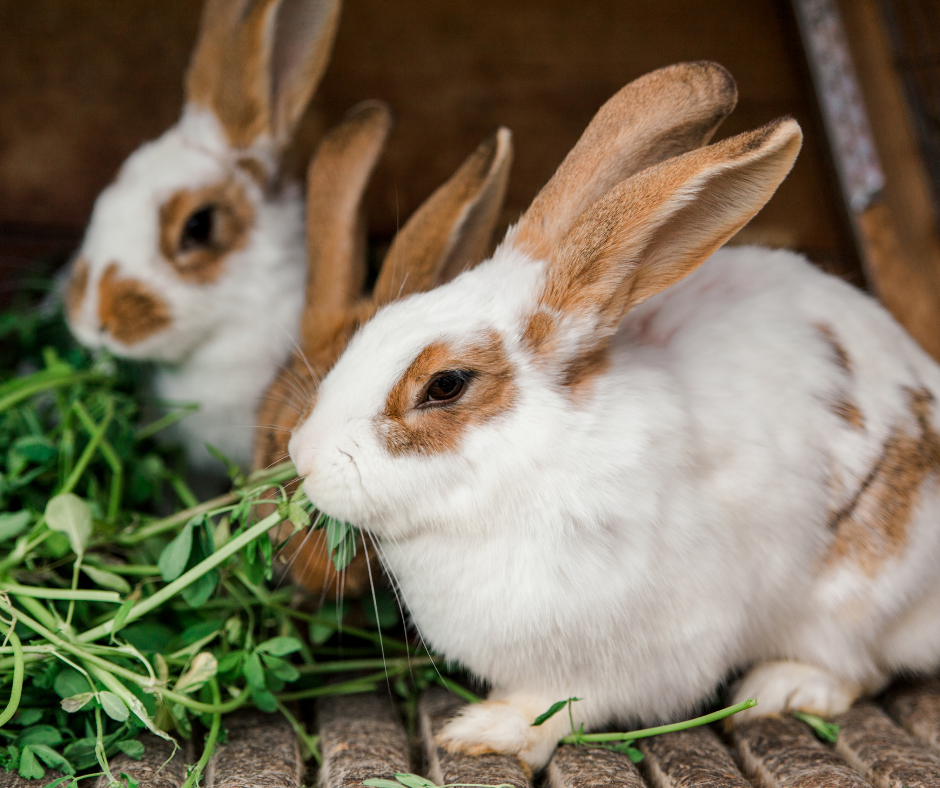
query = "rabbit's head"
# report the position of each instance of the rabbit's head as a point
(198, 227)
(449, 232)
(443, 404)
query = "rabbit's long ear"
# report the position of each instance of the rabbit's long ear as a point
(257, 63)
(656, 228)
(452, 229)
(336, 180)
(660, 115)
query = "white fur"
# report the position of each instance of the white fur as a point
(637, 545)
(228, 338)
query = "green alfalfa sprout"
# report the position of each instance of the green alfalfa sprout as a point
(826, 731)
(623, 742)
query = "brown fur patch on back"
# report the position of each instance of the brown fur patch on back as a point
(232, 219)
(78, 281)
(873, 526)
(436, 430)
(848, 411)
(128, 309)
(839, 353)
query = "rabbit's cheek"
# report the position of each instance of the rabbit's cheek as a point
(128, 309)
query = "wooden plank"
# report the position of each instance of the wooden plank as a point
(903, 247)
(586, 767)
(917, 708)
(434, 709)
(154, 770)
(887, 755)
(13, 779)
(361, 736)
(780, 752)
(688, 759)
(261, 752)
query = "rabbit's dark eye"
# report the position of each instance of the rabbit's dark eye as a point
(197, 231)
(445, 388)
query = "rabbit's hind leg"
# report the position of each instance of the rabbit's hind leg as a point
(793, 686)
(913, 642)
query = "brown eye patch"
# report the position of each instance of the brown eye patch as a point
(199, 227)
(475, 384)
(78, 281)
(128, 309)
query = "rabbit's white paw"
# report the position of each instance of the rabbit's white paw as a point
(503, 726)
(793, 686)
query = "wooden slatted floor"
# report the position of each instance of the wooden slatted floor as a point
(894, 743)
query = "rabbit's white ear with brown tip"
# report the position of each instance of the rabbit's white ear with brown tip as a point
(257, 63)
(660, 115)
(656, 228)
(452, 229)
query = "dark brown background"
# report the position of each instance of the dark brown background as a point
(84, 82)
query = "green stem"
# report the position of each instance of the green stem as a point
(344, 666)
(67, 594)
(208, 708)
(209, 745)
(351, 687)
(172, 589)
(110, 457)
(42, 384)
(460, 692)
(584, 738)
(41, 614)
(90, 449)
(165, 421)
(364, 634)
(258, 480)
(312, 743)
(19, 669)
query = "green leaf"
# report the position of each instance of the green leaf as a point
(264, 700)
(827, 731)
(382, 612)
(27, 717)
(113, 706)
(131, 748)
(121, 616)
(70, 682)
(280, 668)
(108, 580)
(320, 633)
(51, 758)
(414, 780)
(40, 734)
(57, 782)
(132, 782)
(203, 668)
(35, 447)
(280, 646)
(379, 782)
(77, 702)
(254, 672)
(12, 525)
(197, 593)
(70, 515)
(175, 556)
(30, 768)
(552, 711)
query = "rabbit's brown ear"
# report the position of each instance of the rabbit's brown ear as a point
(452, 229)
(257, 62)
(336, 180)
(660, 115)
(657, 227)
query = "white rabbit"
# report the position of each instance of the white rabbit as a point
(194, 256)
(596, 471)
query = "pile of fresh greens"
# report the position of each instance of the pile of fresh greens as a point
(119, 615)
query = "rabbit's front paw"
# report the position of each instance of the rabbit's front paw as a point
(504, 727)
(793, 686)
